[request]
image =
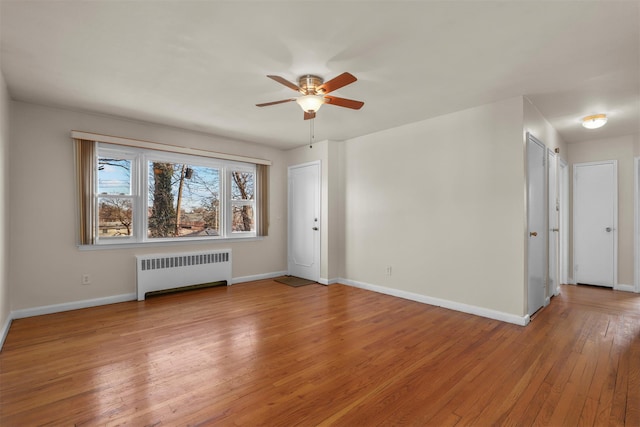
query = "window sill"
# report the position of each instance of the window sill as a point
(168, 244)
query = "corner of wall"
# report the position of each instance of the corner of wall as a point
(5, 305)
(535, 123)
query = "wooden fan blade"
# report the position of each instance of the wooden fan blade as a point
(266, 104)
(343, 102)
(311, 115)
(336, 83)
(285, 82)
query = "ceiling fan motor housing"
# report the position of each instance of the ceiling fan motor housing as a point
(309, 85)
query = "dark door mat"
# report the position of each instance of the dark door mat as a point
(294, 281)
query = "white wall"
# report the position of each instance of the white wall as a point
(4, 209)
(623, 150)
(442, 202)
(46, 265)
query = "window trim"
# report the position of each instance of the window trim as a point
(134, 194)
(139, 143)
(178, 158)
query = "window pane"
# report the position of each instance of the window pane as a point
(184, 200)
(243, 219)
(114, 176)
(242, 187)
(115, 217)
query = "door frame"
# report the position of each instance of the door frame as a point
(614, 163)
(553, 209)
(563, 197)
(318, 240)
(545, 227)
(636, 204)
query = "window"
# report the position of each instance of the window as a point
(138, 195)
(115, 195)
(242, 201)
(183, 199)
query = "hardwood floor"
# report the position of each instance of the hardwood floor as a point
(263, 353)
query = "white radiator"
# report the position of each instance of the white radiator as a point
(167, 271)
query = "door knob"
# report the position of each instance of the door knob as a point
(315, 228)
(608, 229)
(533, 233)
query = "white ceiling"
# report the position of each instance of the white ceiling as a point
(202, 65)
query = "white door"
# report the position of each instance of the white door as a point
(304, 221)
(536, 224)
(636, 242)
(554, 223)
(563, 199)
(595, 202)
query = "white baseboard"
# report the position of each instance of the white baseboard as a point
(56, 308)
(625, 288)
(5, 330)
(258, 277)
(321, 280)
(75, 305)
(570, 281)
(451, 305)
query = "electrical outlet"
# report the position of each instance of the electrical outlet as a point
(388, 270)
(86, 279)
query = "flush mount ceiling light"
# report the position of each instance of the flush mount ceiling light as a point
(595, 121)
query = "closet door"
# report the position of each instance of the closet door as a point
(595, 225)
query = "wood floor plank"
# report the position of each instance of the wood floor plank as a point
(263, 353)
(581, 379)
(437, 384)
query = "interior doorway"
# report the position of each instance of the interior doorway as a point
(554, 224)
(595, 223)
(304, 221)
(537, 224)
(636, 262)
(563, 198)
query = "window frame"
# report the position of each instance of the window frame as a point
(243, 202)
(141, 159)
(120, 153)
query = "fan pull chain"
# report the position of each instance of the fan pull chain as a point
(312, 135)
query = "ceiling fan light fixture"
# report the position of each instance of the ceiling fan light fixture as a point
(310, 103)
(594, 121)
(314, 92)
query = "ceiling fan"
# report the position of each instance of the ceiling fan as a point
(314, 93)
